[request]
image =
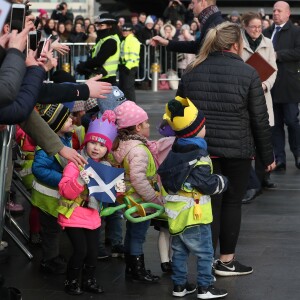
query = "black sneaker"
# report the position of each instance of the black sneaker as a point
(182, 290)
(103, 255)
(117, 251)
(232, 268)
(210, 292)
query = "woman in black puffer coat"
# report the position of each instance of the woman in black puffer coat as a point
(230, 94)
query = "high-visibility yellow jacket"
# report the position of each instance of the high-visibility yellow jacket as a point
(130, 52)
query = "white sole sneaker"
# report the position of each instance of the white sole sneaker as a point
(183, 293)
(209, 295)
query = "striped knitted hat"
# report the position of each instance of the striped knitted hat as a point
(55, 115)
(184, 117)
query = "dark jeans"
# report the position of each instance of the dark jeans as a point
(50, 233)
(135, 237)
(85, 247)
(227, 207)
(111, 228)
(286, 113)
(126, 83)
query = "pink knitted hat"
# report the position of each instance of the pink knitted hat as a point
(129, 114)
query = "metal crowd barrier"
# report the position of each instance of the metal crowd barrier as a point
(6, 138)
(148, 56)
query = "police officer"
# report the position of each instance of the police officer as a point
(106, 52)
(129, 61)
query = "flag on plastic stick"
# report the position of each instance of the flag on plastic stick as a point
(103, 180)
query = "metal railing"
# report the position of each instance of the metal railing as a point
(148, 56)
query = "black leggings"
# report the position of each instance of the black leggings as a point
(85, 247)
(227, 207)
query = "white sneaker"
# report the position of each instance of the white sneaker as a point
(4, 244)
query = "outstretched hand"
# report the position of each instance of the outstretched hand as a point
(98, 88)
(158, 40)
(73, 156)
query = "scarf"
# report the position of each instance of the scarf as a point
(253, 43)
(206, 13)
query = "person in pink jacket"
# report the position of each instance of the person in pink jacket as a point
(80, 214)
(131, 152)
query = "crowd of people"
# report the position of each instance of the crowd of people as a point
(199, 173)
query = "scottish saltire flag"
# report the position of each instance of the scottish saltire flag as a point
(103, 180)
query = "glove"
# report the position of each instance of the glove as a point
(82, 69)
(120, 186)
(84, 177)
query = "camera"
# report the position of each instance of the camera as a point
(61, 7)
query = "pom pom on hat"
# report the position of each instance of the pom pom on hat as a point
(183, 117)
(129, 114)
(102, 130)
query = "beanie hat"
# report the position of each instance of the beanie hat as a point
(114, 99)
(43, 13)
(184, 118)
(105, 18)
(102, 130)
(55, 115)
(149, 20)
(78, 106)
(129, 114)
(90, 103)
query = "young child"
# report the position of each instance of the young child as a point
(48, 173)
(80, 214)
(77, 112)
(186, 174)
(131, 152)
(28, 146)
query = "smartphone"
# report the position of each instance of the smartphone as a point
(32, 40)
(17, 17)
(38, 36)
(37, 22)
(40, 48)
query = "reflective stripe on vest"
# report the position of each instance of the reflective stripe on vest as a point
(45, 190)
(111, 64)
(189, 202)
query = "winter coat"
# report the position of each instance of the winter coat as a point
(69, 188)
(46, 168)
(12, 73)
(286, 88)
(138, 161)
(266, 50)
(19, 110)
(78, 37)
(230, 94)
(194, 46)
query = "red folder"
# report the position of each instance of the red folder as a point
(263, 68)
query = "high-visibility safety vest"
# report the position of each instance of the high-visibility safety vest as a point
(45, 197)
(151, 173)
(130, 52)
(180, 208)
(111, 64)
(80, 132)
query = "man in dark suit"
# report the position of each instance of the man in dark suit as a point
(286, 90)
(209, 16)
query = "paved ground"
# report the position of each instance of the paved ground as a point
(269, 242)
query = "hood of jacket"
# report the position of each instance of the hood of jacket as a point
(124, 148)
